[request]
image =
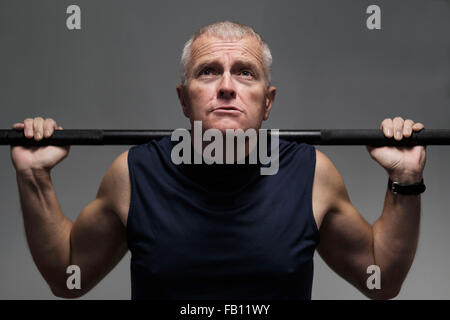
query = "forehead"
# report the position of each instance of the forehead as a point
(208, 47)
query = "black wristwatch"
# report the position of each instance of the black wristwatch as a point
(408, 189)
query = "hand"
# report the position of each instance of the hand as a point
(30, 160)
(403, 164)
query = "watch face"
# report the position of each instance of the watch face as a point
(395, 187)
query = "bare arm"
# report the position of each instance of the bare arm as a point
(95, 242)
(349, 244)
(98, 237)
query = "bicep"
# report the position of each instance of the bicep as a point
(346, 241)
(97, 241)
(98, 237)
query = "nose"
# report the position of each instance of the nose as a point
(226, 87)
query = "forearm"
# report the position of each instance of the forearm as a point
(395, 237)
(47, 230)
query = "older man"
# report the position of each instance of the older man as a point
(221, 231)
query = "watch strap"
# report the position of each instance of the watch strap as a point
(407, 189)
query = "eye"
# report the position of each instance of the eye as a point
(206, 72)
(246, 73)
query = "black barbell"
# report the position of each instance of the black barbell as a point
(373, 137)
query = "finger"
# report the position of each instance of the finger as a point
(407, 128)
(38, 128)
(398, 128)
(49, 125)
(18, 126)
(28, 123)
(418, 126)
(387, 127)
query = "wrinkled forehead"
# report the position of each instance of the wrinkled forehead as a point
(208, 47)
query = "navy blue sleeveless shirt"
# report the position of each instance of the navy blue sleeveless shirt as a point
(221, 231)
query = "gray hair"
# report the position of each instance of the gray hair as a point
(226, 30)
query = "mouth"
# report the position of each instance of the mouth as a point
(227, 109)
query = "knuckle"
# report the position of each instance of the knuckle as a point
(385, 124)
(48, 123)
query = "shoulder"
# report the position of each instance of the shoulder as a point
(291, 145)
(329, 190)
(155, 149)
(115, 187)
(118, 171)
(326, 173)
(295, 152)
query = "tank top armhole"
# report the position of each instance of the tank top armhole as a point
(313, 171)
(132, 191)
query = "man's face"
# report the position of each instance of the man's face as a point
(225, 86)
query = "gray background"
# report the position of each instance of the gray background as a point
(121, 69)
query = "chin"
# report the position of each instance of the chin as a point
(225, 124)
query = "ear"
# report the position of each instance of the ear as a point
(269, 99)
(182, 96)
